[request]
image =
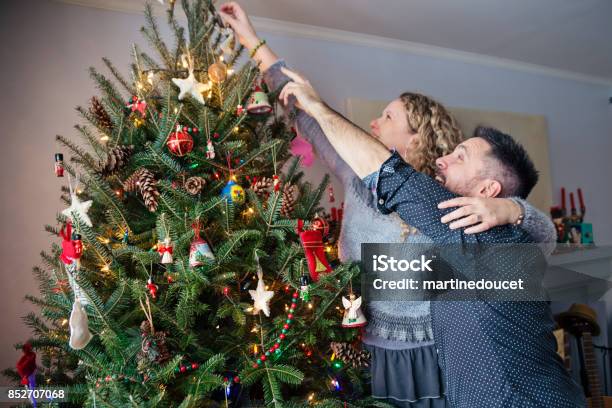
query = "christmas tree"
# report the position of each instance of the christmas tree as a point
(178, 274)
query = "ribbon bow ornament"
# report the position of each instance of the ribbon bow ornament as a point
(165, 250)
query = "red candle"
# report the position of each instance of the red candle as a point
(572, 201)
(563, 198)
(334, 214)
(580, 199)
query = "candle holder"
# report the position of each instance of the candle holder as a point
(571, 229)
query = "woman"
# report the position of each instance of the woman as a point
(399, 336)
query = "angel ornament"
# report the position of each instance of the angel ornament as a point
(353, 316)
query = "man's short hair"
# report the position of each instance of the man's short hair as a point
(519, 175)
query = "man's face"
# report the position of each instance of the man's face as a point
(462, 171)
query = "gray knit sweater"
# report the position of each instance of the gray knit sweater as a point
(362, 223)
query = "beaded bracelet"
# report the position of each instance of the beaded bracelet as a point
(254, 51)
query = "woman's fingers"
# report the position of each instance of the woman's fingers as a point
(287, 91)
(475, 229)
(466, 221)
(293, 75)
(457, 214)
(456, 202)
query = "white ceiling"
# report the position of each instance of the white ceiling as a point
(569, 35)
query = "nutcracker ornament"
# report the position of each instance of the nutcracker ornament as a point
(210, 149)
(165, 249)
(353, 316)
(305, 288)
(199, 248)
(59, 164)
(259, 103)
(180, 142)
(78, 247)
(312, 242)
(276, 183)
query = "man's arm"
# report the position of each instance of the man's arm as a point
(415, 197)
(363, 153)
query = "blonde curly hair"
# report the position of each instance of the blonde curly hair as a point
(437, 130)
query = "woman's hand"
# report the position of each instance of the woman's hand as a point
(306, 96)
(231, 13)
(480, 214)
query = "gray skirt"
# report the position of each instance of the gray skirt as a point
(408, 378)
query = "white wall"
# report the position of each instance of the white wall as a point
(47, 47)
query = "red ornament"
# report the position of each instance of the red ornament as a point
(194, 366)
(332, 198)
(152, 288)
(26, 364)
(138, 105)
(70, 252)
(78, 244)
(180, 143)
(59, 165)
(183, 369)
(312, 242)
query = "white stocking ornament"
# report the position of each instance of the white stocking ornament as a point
(79, 327)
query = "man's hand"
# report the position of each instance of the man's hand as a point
(306, 96)
(231, 13)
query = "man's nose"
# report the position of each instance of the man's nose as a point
(441, 163)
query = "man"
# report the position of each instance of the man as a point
(493, 354)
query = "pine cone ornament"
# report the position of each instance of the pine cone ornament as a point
(153, 348)
(194, 184)
(99, 113)
(290, 197)
(143, 180)
(350, 355)
(262, 186)
(116, 159)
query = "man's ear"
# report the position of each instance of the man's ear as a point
(490, 188)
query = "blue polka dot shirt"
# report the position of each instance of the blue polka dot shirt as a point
(492, 353)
